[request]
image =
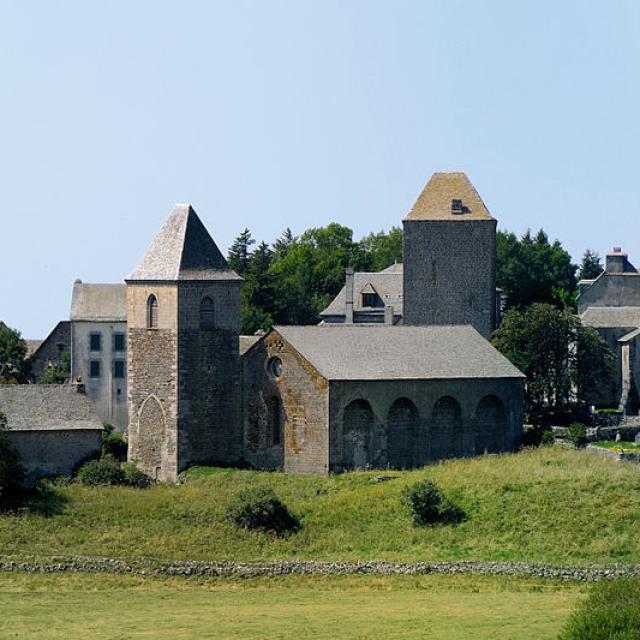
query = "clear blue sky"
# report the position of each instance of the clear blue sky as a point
(270, 114)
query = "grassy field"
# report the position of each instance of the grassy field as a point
(435, 607)
(622, 444)
(551, 504)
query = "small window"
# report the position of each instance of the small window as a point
(369, 299)
(94, 369)
(95, 342)
(207, 314)
(273, 409)
(119, 369)
(119, 342)
(152, 312)
(274, 366)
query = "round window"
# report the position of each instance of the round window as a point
(275, 367)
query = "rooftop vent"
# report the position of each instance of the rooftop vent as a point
(456, 207)
(617, 249)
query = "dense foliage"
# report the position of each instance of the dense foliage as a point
(103, 472)
(57, 374)
(429, 505)
(612, 611)
(113, 444)
(591, 265)
(14, 366)
(531, 269)
(562, 359)
(261, 509)
(11, 470)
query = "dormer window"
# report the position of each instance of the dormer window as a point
(456, 206)
(369, 299)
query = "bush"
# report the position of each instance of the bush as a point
(103, 472)
(578, 434)
(611, 611)
(261, 509)
(537, 436)
(133, 477)
(429, 506)
(12, 472)
(113, 445)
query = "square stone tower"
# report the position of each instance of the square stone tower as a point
(183, 314)
(450, 257)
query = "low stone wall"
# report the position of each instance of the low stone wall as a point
(627, 456)
(82, 564)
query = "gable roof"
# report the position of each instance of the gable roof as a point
(387, 284)
(98, 302)
(434, 203)
(384, 352)
(611, 317)
(46, 407)
(183, 250)
(246, 342)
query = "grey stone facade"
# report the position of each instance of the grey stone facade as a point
(611, 304)
(450, 257)
(416, 395)
(184, 368)
(49, 351)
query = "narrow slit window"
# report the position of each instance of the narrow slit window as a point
(152, 312)
(207, 313)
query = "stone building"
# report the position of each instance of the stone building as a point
(99, 347)
(53, 427)
(183, 309)
(49, 352)
(328, 398)
(450, 257)
(611, 304)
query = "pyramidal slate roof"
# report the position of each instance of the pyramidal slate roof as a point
(183, 250)
(434, 203)
(384, 352)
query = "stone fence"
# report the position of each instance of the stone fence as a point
(150, 567)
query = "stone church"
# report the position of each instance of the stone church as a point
(319, 399)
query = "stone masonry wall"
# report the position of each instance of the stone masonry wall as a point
(209, 375)
(152, 376)
(450, 273)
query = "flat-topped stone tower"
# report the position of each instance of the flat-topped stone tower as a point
(450, 257)
(183, 314)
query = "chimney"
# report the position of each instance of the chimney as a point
(616, 261)
(388, 314)
(349, 296)
(78, 385)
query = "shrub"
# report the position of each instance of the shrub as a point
(103, 472)
(536, 436)
(11, 470)
(610, 611)
(133, 477)
(428, 504)
(261, 509)
(578, 434)
(114, 445)
(547, 439)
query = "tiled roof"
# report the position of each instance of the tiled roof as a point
(387, 284)
(46, 407)
(33, 346)
(99, 302)
(246, 342)
(183, 250)
(369, 352)
(434, 203)
(611, 317)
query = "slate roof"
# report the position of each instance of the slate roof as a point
(611, 317)
(47, 407)
(434, 203)
(99, 302)
(387, 284)
(369, 352)
(33, 346)
(183, 250)
(246, 342)
(630, 336)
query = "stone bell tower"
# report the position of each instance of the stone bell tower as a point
(183, 314)
(450, 257)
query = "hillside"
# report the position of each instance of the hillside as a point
(552, 504)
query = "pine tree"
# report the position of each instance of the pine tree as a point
(591, 265)
(240, 252)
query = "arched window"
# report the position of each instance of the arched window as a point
(152, 312)
(207, 314)
(358, 427)
(491, 425)
(446, 429)
(273, 411)
(406, 441)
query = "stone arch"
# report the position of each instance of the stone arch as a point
(151, 435)
(446, 428)
(357, 436)
(491, 425)
(406, 442)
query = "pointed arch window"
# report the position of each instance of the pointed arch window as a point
(152, 312)
(207, 313)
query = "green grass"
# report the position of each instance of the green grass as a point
(550, 504)
(435, 607)
(623, 445)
